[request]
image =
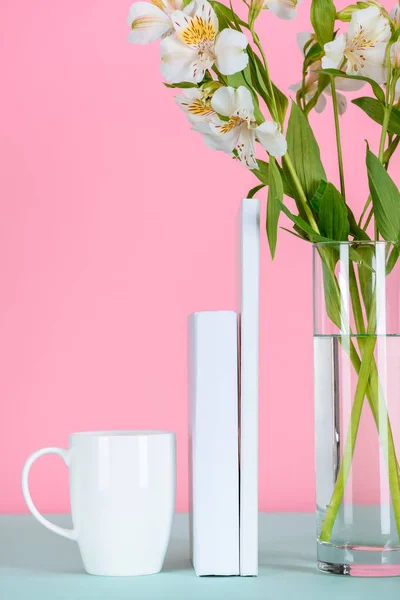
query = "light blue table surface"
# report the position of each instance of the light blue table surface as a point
(35, 564)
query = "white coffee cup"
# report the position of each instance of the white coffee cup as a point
(122, 488)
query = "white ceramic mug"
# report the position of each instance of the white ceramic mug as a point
(122, 488)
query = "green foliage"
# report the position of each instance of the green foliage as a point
(385, 199)
(260, 83)
(333, 220)
(275, 199)
(251, 193)
(262, 173)
(323, 15)
(375, 110)
(375, 86)
(319, 194)
(226, 16)
(304, 151)
(182, 85)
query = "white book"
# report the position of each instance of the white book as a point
(249, 328)
(213, 431)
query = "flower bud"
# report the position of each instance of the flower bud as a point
(210, 87)
(395, 16)
(256, 7)
(395, 55)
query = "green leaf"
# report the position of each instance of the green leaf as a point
(323, 15)
(262, 173)
(375, 86)
(333, 221)
(275, 199)
(301, 236)
(392, 260)
(282, 103)
(303, 225)
(304, 152)
(375, 110)
(355, 229)
(259, 81)
(366, 253)
(183, 85)
(254, 190)
(330, 257)
(226, 16)
(385, 198)
(319, 192)
(314, 54)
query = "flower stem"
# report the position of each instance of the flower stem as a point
(368, 380)
(273, 108)
(348, 451)
(338, 139)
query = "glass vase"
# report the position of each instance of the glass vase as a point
(357, 407)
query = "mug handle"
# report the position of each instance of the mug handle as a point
(68, 533)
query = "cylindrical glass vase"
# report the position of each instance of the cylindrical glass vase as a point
(357, 407)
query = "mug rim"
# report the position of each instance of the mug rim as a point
(122, 433)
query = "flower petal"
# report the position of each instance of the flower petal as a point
(295, 87)
(284, 9)
(230, 52)
(228, 134)
(321, 104)
(211, 139)
(224, 101)
(193, 105)
(271, 138)
(348, 85)
(196, 25)
(395, 15)
(303, 37)
(148, 23)
(171, 5)
(342, 103)
(373, 25)
(246, 147)
(334, 53)
(177, 60)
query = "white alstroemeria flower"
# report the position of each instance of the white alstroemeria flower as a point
(210, 139)
(150, 21)
(284, 9)
(196, 103)
(395, 15)
(311, 82)
(197, 45)
(241, 131)
(363, 45)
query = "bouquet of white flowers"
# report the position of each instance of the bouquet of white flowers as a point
(218, 62)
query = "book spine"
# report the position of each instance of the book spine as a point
(249, 339)
(213, 413)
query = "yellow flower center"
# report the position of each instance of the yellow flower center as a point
(231, 124)
(200, 107)
(198, 33)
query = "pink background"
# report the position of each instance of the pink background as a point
(116, 223)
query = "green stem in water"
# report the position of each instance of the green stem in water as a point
(338, 139)
(368, 380)
(348, 450)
